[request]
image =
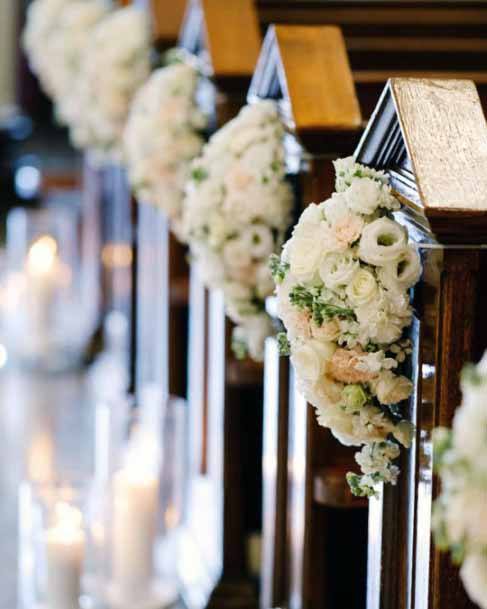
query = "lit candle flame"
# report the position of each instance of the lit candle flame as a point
(42, 256)
(67, 523)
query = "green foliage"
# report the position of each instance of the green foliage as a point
(278, 268)
(199, 174)
(283, 344)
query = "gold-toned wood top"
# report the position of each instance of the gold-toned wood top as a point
(446, 137)
(232, 36)
(317, 77)
(167, 17)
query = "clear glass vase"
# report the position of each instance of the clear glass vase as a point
(47, 314)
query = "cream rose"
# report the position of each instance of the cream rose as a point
(328, 331)
(474, 577)
(305, 255)
(364, 195)
(311, 358)
(337, 269)
(383, 241)
(391, 388)
(362, 289)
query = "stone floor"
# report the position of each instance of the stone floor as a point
(46, 428)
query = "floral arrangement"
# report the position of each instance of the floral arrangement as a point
(116, 63)
(162, 136)
(41, 23)
(342, 289)
(55, 38)
(236, 213)
(460, 458)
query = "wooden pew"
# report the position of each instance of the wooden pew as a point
(397, 39)
(307, 506)
(224, 395)
(430, 136)
(162, 272)
(279, 552)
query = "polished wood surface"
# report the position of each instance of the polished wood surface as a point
(445, 133)
(318, 79)
(232, 36)
(167, 17)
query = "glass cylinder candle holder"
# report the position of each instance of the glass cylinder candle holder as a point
(133, 573)
(47, 321)
(53, 547)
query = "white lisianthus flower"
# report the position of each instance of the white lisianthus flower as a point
(383, 241)
(362, 288)
(391, 388)
(311, 357)
(474, 577)
(403, 273)
(364, 195)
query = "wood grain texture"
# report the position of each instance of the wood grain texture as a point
(167, 17)
(317, 77)
(446, 137)
(456, 341)
(232, 36)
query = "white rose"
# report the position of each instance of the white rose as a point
(305, 255)
(391, 388)
(310, 358)
(402, 273)
(264, 281)
(474, 577)
(311, 216)
(470, 425)
(337, 269)
(260, 239)
(217, 231)
(237, 291)
(362, 288)
(236, 253)
(383, 241)
(364, 195)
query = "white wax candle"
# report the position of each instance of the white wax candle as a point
(135, 504)
(41, 269)
(65, 547)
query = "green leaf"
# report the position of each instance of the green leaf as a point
(278, 268)
(198, 174)
(283, 344)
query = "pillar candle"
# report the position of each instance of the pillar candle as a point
(65, 547)
(135, 504)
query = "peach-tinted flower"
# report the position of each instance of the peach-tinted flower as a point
(348, 229)
(344, 367)
(329, 330)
